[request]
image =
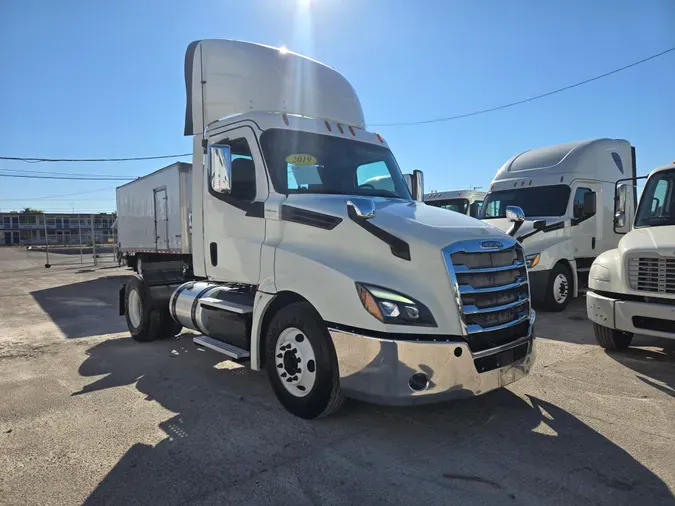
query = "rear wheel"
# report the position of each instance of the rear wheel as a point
(612, 339)
(301, 362)
(144, 323)
(559, 288)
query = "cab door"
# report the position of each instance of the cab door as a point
(585, 230)
(234, 227)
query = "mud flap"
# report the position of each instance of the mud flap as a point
(121, 299)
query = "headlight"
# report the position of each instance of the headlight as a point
(392, 307)
(600, 273)
(532, 260)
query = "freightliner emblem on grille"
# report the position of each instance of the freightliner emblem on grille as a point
(491, 245)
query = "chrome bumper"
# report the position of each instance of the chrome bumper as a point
(380, 370)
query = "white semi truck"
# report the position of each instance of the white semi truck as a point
(283, 251)
(567, 195)
(632, 287)
(466, 202)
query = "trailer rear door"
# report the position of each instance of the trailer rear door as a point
(161, 219)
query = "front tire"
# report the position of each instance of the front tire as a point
(144, 323)
(612, 339)
(301, 362)
(559, 288)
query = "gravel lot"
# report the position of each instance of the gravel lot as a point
(89, 416)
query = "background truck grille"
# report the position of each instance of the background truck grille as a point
(652, 274)
(492, 292)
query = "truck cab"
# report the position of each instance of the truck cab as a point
(632, 287)
(466, 202)
(567, 195)
(312, 257)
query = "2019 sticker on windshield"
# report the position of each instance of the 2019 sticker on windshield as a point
(301, 159)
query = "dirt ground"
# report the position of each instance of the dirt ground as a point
(89, 416)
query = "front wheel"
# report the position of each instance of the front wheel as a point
(612, 339)
(559, 288)
(301, 362)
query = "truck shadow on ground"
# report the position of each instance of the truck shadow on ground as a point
(654, 365)
(84, 309)
(231, 442)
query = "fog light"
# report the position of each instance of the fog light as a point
(418, 382)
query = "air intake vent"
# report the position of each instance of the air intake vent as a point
(654, 274)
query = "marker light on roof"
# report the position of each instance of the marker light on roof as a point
(380, 137)
(340, 128)
(328, 126)
(561, 179)
(351, 130)
(530, 183)
(285, 119)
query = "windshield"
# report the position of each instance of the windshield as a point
(537, 201)
(303, 162)
(657, 204)
(457, 205)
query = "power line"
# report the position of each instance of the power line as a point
(530, 99)
(59, 195)
(73, 178)
(53, 173)
(77, 160)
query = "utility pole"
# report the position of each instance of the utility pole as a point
(47, 264)
(93, 241)
(79, 227)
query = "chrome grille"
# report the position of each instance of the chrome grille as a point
(492, 291)
(652, 274)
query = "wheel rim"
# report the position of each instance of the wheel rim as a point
(295, 362)
(135, 308)
(561, 288)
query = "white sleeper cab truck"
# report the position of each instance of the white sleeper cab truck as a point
(567, 195)
(632, 287)
(461, 201)
(287, 254)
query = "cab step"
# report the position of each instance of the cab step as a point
(226, 305)
(221, 347)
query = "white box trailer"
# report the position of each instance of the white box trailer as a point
(154, 212)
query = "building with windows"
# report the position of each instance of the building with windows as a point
(27, 228)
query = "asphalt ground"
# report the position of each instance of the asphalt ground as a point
(89, 416)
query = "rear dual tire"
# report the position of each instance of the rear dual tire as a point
(144, 322)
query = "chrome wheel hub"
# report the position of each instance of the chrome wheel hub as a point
(295, 362)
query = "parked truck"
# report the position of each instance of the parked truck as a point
(466, 202)
(632, 287)
(278, 248)
(567, 195)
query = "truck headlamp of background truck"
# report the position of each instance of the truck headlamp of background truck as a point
(632, 287)
(294, 240)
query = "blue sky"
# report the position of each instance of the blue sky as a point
(105, 79)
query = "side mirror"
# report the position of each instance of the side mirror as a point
(219, 168)
(590, 203)
(408, 180)
(474, 209)
(417, 185)
(515, 214)
(539, 225)
(620, 200)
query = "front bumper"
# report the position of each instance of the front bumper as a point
(618, 314)
(379, 370)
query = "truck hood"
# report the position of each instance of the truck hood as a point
(654, 239)
(407, 220)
